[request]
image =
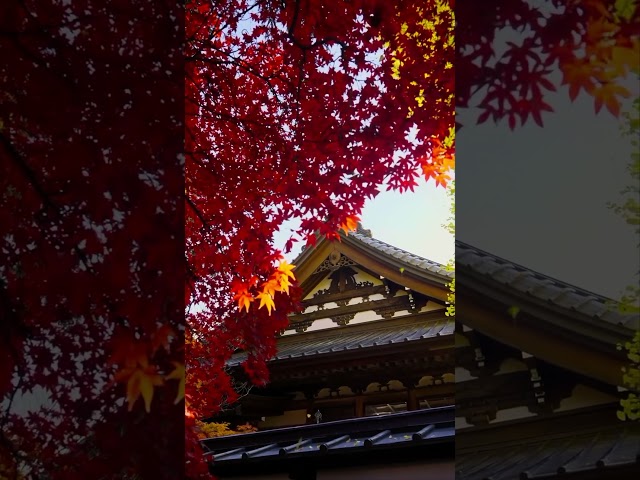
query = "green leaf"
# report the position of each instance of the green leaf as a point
(513, 311)
(625, 8)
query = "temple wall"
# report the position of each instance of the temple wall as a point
(404, 471)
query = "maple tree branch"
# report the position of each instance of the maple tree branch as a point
(37, 187)
(294, 20)
(234, 19)
(198, 213)
(243, 67)
(7, 414)
(27, 172)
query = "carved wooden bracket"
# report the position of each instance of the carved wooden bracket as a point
(381, 307)
(386, 312)
(343, 320)
(539, 393)
(303, 325)
(334, 262)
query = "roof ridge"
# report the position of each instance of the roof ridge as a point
(359, 237)
(541, 276)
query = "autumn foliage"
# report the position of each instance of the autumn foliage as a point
(303, 110)
(512, 55)
(294, 109)
(213, 429)
(91, 302)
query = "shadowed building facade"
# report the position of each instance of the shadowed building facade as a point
(366, 376)
(537, 376)
(362, 385)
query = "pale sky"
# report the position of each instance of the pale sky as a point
(411, 221)
(538, 196)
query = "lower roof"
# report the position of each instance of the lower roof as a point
(595, 454)
(369, 434)
(358, 337)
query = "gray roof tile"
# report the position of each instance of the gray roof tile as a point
(542, 287)
(358, 434)
(339, 339)
(402, 255)
(547, 458)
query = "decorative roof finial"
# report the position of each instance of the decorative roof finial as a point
(361, 230)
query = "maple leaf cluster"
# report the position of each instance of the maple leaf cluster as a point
(511, 55)
(301, 109)
(92, 224)
(279, 281)
(212, 429)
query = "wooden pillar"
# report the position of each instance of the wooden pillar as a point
(359, 406)
(412, 401)
(309, 397)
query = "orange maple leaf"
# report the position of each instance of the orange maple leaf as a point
(178, 374)
(435, 171)
(128, 352)
(271, 286)
(244, 299)
(266, 300)
(578, 75)
(162, 338)
(607, 94)
(350, 224)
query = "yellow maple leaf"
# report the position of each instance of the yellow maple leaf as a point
(625, 9)
(286, 269)
(178, 374)
(284, 283)
(624, 58)
(266, 300)
(140, 381)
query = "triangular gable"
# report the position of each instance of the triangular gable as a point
(361, 279)
(376, 257)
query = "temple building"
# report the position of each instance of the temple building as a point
(372, 380)
(362, 386)
(538, 373)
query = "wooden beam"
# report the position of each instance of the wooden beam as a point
(433, 289)
(348, 294)
(400, 303)
(542, 344)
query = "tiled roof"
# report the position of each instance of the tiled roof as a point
(547, 458)
(426, 427)
(402, 255)
(356, 337)
(541, 286)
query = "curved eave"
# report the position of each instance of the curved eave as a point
(564, 335)
(563, 321)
